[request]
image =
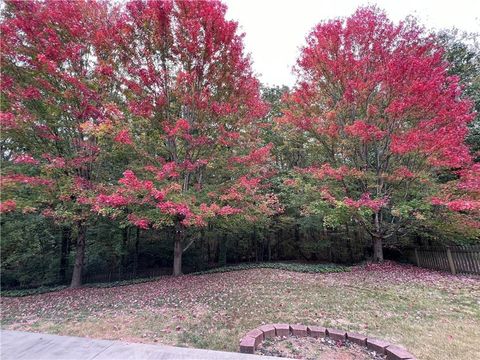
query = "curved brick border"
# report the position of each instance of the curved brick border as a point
(250, 342)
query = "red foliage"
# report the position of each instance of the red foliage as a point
(376, 97)
(364, 131)
(397, 72)
(198, 114)
(123, 137)
(327, 171)
(403, 172)
(139, 222)
(8, 121)
(131, 181)
(12, 179)
(181, 126)
(114, 200)
(7, 206)
(463, 205)
(470, 179)
(51, 90)
(464, 195)
(256, 156)
(228, 210)
(25, 159)
(366, 201)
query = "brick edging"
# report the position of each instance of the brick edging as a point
(249, 343)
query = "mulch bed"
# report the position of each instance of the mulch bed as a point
(308, 348)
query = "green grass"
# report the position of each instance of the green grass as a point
(436, 316)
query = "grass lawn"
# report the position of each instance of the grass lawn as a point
(435, 316)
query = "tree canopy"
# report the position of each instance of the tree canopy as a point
(377, 98)
(147, 116)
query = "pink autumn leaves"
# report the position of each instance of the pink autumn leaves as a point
(7, 206)
(465, 194)
(325, 174)
(366, 201)
(137, 192)
(365, 132)
(375, 99)
(372, 95)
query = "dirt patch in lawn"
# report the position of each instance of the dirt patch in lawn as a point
(308, 348)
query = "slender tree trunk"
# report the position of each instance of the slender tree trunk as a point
(121, 265)
(377, 241)
(137, 245)
(66, 236)
(261, 248)
(123, 261)
(254, 242)
(377, 249)
(269, 248)
(178, 250)
(209, 252)
(202, 246)
(349, 244)
(79, 257)
(177, 257)
(222, 251)
(216, 258)
(237, 247)
(278, 243)
(296, 234)
(298, 242)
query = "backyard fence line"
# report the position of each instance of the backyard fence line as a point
(455, 259)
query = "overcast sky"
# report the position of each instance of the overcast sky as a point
(275, 29)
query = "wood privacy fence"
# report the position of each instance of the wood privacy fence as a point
(455, 259)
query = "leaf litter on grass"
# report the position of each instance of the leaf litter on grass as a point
(434, 315)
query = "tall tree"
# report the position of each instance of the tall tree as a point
(53, 82)
(377, 100)
(191, 109)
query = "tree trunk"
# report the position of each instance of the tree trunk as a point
(377, 241)
(177, 257)
(137, 245)
(123, 259)
(254, 242)
(349, 244)
(178, 250)
(377, 249)
(66, 235)
(237, 247)
(79, 257)
(201, 266)
(296, 234)
(269, 247)
(209, 252)
(222, 250)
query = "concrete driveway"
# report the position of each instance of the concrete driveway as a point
(17, 345)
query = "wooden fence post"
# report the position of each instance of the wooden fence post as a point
(450, 261)
(416, 257)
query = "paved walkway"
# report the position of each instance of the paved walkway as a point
(17, 345)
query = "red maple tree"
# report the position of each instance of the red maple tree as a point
(191, 111)
(53, 82)
(376, 99)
